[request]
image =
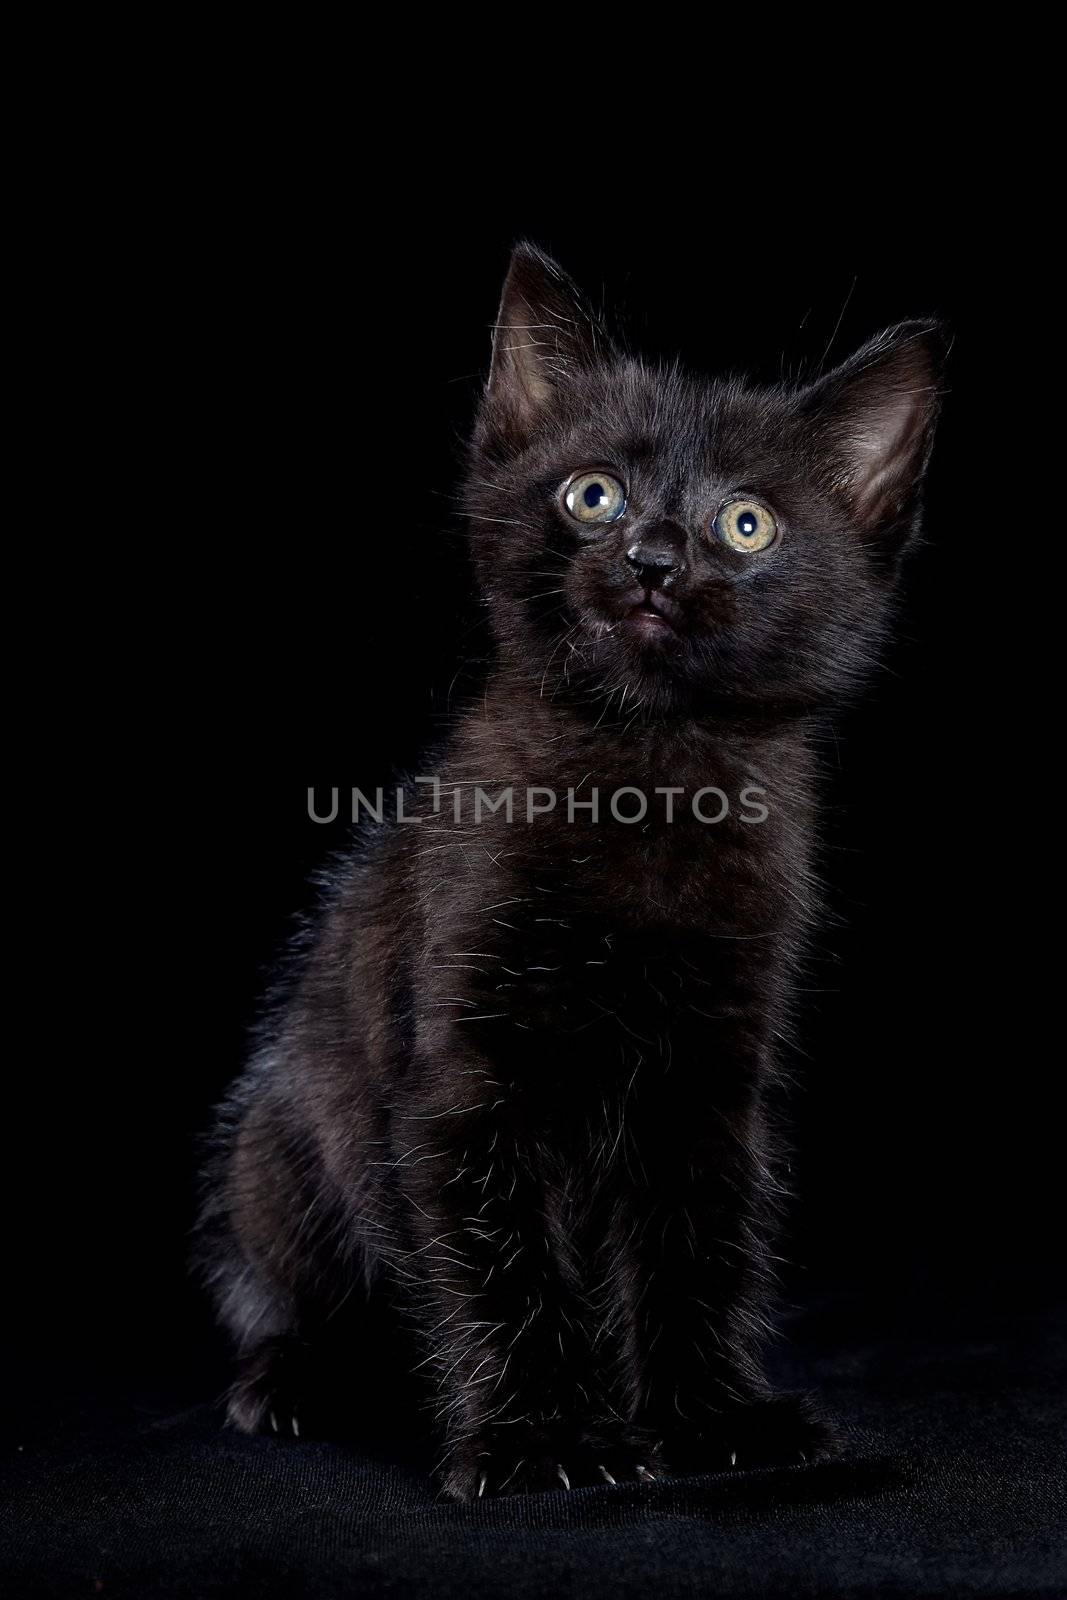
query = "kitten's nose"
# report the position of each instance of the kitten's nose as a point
(658, 556)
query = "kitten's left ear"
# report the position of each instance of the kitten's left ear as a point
(874, 418)
(543, 333)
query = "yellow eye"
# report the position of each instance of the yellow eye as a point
(594, 497)
(745, 525)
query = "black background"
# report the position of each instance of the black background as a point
(296, 609)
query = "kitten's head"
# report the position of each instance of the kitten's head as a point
(690, 543)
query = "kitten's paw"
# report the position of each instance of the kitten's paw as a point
(524, 1460)
(265, 1395)
(787, 1430)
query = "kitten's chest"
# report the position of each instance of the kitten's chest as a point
(596, 980)
(566, 974)
(589, 949)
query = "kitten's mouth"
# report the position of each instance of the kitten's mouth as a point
(653, 616)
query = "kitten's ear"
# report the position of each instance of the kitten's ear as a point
(543, 332)
(874, 419)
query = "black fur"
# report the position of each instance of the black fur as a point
(520, 1085)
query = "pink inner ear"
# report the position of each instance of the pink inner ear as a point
(883, 419)
(884, 443)
(522, 345)
(543, 332)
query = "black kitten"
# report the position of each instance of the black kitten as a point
(519, 1086)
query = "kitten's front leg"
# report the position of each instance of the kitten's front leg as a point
(488, 1274)
(703, 1321)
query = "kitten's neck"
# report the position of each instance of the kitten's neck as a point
(538, 740)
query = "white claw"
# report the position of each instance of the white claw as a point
(482, 1481)
(296, 1426)
(563, 1478)
(274, 1422)
(605, 1474)
(643, 1473)
(733, 1458)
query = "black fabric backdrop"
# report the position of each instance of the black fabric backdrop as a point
(278, 629)
(952, 1483)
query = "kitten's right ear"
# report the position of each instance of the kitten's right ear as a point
(543, 333)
